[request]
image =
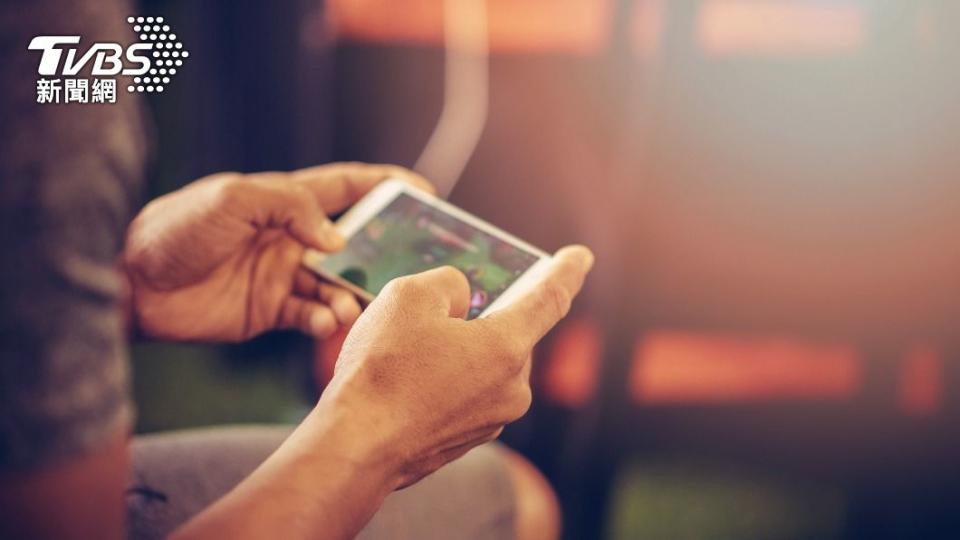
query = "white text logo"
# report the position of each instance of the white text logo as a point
(151, 62)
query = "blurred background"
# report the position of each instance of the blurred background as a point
(768, 346)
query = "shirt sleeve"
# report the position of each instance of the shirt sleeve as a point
(69, 180)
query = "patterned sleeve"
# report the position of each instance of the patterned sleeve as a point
(69, 180)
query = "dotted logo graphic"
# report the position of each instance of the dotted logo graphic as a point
(168, 54)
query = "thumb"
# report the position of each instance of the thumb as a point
(532, 315)
(444, 290)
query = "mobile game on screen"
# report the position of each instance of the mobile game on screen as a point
(409, 236)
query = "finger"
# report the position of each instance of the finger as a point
(339, 185)
(305, 284)
(444, 289)
(537, 311)
(275, 201)
(311, 318)
(343, 302)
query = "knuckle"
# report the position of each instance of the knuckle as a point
(557, 298)
(402, 286)
(454, 277)
(505, 349)
(514, 351)
(520, 402)
(230, 189)
(297, 195)
(451, 273)
(294, 190)
(447, 270)
(392, 288)
(299, 191)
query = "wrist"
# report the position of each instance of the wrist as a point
(357, 438)
(325, 481)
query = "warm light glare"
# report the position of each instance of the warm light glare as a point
(920, 384)
(676, 368)
(646, 27)
(565, 26)
(784, 27)
(574, 364)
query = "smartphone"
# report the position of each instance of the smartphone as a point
(397, 230)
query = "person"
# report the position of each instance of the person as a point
(416, 387)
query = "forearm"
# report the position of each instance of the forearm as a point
(326, 481)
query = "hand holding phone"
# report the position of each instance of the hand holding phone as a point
(436, 386)
(398, 230)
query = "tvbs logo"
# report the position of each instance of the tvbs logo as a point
(151, 62)
(107, 57)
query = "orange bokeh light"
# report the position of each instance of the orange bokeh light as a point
(573, 365)
(920, 388)
(646, 27)
(676, 367)
(779, 27)
(565, 26)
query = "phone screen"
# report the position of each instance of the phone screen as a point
(409, 236)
